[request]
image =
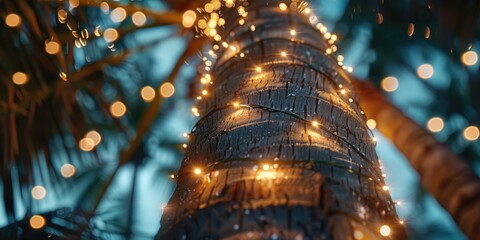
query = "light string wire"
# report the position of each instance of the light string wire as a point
(305, 164)
(294, 115)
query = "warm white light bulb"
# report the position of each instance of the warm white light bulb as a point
(385, 230)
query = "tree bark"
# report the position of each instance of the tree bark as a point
(447, 177)
(268, 171)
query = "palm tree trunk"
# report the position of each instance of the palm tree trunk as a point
(268, 169)
(447, 177)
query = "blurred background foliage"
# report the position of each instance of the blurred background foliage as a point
(90, 147)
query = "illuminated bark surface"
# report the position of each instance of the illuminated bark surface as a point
(268, 170)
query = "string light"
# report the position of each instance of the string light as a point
(110, 35)
(118, 109)
(63, 76)
(379, 18)
(327, 35)
(357, 234)
(334, 38)
(139, 19)
(221, 22)
(372, 124)
(229, 3)
(315, 123)
(410, 29)
(322, 28)
(147, 93)
(208, 77)
(167, 90)
(94, 136)
(283, 6)
(471, 133)
(266, 174)
(184, 145)
(435, 124)
(74, 3)
(212, 32)
(241, 11)
(236, 104)
(266, 167)
(62, 15)
(208, 7)
(118, 14)
(104, 7)
(39, 192)
(172, 176)
(86, 144)
(85, 34)
(19, 78)
(67, 170)
(389, 84)
(293, 32)
(258, 69)
(13, 20)
(427, 32)
(37, 222)
(216, 4)
(97, 31)
(425, 71)
(385, 188)
(197, 171)
(469, 58)
(385, 230)
(284, 54)
(189, 18)
(202, 24)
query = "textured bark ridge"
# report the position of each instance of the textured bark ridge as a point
(268, 172)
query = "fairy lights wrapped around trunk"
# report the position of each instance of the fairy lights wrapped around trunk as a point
(281, 149)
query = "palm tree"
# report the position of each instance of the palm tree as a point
(281, 149)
